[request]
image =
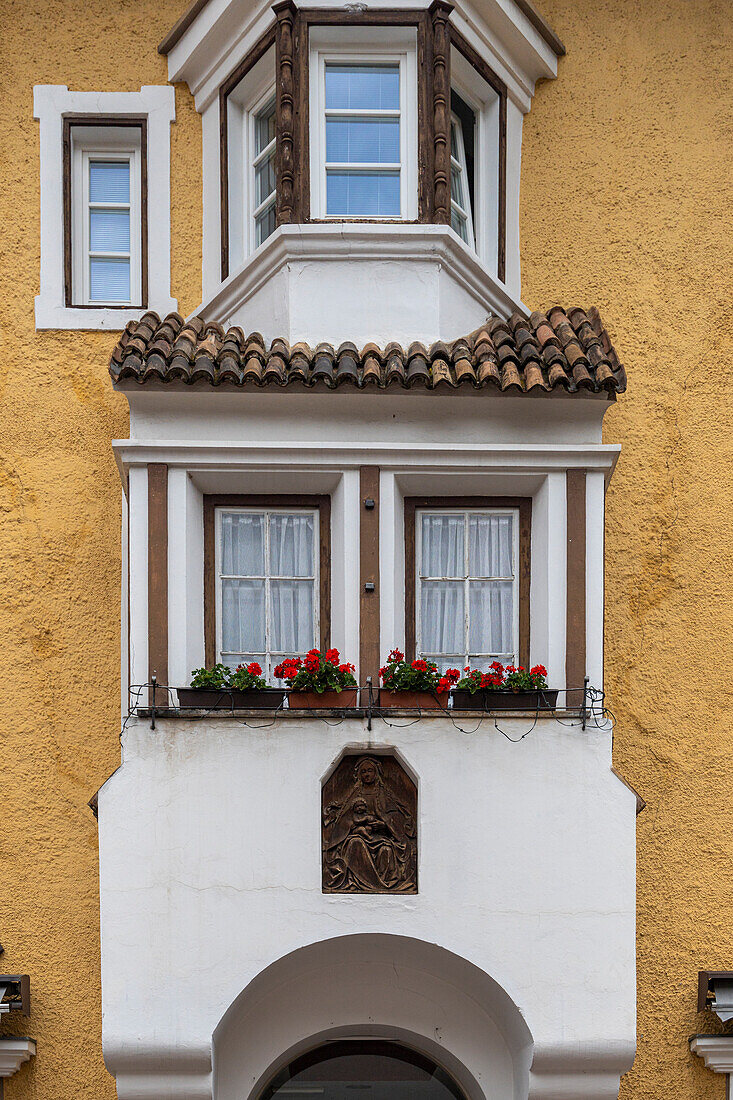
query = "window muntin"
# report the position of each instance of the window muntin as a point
(106, 216)
(467, 599)
(462, 142)
(263, 170)
(267, 585)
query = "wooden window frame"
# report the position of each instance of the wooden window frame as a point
(523, 505)
(100, 122)
(320, 503)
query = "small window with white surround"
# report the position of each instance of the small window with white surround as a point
(107, 202)
(467, 601)
(363, 124)
(104, 161)
(267, 584)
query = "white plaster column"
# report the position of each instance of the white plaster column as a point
(345, 515)
(391, 564)
(211, 242)
(138, 579)
(185, 577)
(595, 509)
(548, 597)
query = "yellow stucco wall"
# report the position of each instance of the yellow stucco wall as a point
(626, 198)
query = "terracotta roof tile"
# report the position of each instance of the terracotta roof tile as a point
(568, 350)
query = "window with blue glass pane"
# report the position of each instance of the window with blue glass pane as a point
(109, 231)
(363, 159)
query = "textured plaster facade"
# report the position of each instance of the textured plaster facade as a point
(626, 194)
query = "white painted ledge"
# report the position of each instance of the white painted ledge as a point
(715, 1050)
(13, 1053)
(341, 281)
(51, 102)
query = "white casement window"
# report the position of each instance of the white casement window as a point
(363, 123)
(475, 137)
(467, 604)
(263, 170)
(251, 141)
(267, 603)
(461, 182)
(106, 216)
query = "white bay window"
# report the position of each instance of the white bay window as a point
(467, 600)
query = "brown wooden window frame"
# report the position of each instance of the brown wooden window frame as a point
(523, 505)
(320, 503)
(290, 33)
(99, 122)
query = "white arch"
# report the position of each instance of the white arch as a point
(367, 986)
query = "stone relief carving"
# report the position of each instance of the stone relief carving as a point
(369, 833)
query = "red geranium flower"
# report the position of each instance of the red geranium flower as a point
(254, 669)
(332, 655)
(420, 665)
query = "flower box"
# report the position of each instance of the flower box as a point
(324, 700)
(412, 700)
(504, 700)
(230, 699)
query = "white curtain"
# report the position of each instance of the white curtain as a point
(442, 617)
(291, 546)
(490, 546)
(291, 612)
(242, 544)
(442, 548)
(491, 617)
(243, 616)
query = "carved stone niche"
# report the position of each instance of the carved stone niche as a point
(369, 827)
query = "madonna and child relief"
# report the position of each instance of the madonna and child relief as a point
(369, 828)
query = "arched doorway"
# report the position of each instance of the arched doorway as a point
(363, 1069)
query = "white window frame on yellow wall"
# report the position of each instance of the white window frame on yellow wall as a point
(51, 104)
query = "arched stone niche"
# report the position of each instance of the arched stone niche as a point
(362, 986)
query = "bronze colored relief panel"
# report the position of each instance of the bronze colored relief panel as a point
(369, 827)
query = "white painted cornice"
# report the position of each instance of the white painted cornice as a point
(13, 1053)
(223, 31)
(715, 1050)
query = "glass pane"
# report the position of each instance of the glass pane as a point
(457, 660)
(264, 179)
(109, 280)
(456, 186)
(459, 224)
(490, 546)
(362, 140)
(233, 660)
(441, 617)
(242, 616)
(265, 127)
(490, 616)
(442, 553)
(359, 87)
(291, 610)
(243, 544)
(264, 224)
(109, 230)
(291, 546)
(109, 181)
(453, 141)
(365, 194)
